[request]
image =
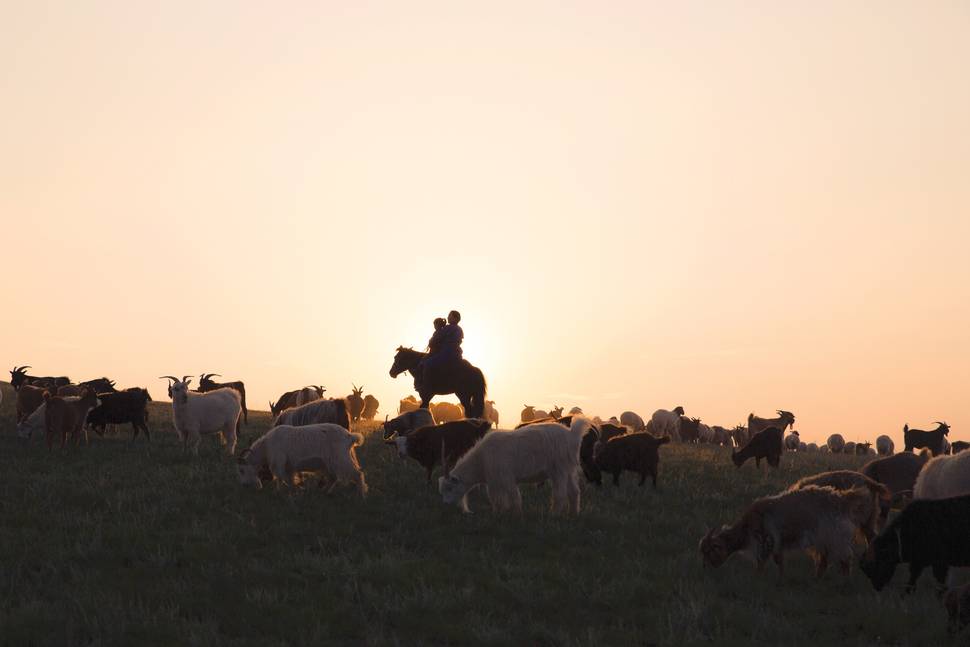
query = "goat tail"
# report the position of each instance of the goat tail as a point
(356, 439)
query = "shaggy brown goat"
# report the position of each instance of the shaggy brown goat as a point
(631, 452)
(67, 417)
(845, 480)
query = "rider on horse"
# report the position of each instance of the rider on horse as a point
(444, 347)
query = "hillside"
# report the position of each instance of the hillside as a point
(138, 543)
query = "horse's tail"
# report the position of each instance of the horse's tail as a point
(479, 390)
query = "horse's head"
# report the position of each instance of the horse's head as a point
(406, 359)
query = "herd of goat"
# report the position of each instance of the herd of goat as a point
(835, 517)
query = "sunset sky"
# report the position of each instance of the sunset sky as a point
(730, 206)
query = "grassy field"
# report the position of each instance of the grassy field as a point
(130, 544)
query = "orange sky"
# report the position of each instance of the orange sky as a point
(737, 207)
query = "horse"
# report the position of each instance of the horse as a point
(461, 378)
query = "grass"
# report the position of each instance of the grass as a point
(137, 544)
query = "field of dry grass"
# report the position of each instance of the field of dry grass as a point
(122, 543)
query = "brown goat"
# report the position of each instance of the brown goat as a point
(67, 417)
(897, 472)
(845, 480)
(631, 452)
(440, 444)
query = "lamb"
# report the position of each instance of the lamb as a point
(636, 452)
(791, 441)
(286, 450)
(756, 424)
(835, 443)
(407, 422)
(823, 521)
(312, 413)
(502, 459)
(926, 533)
(918, 439)
(195, 413)
(29, 397)
(885, 445)
(764, 444)
(603, 433)
(666, 423)
(63, 417)
(444, 443)
(632, 420)
(845, 480)
(944, 476)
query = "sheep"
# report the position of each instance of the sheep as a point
(756, 424)
(409, 403)
(312, 413)
(371, 405)
(491, 413)
(528, 413)
(29, 397)
(835, 443)
(802, 447)
(811, 447)
(207, 384)
(636, 452)
(502, 459)
(944, 476)
(885, 445)
(928, 532)
(957, 605)
(195, 413)
(821, 520)
(862, 449)
(286, 450)
(407, 422)
(959, 446)
(917, 438)
(764, 444)
(447, 412)
(355, 403)
(603, 432)
(690, 429)
(791, 441)
(63, 417)
(119, 407)
(849, 448)
(666, 423)
(632, 420)
(847, 480)
(444, 443)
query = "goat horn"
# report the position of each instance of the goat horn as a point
(185, 377)
(215, 375)
(168, 377)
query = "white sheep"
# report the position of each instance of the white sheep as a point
(849, 448)
(944, 477)
(802, 447)
(532, 454)
(666, 423)
(194, 413)
(286, 450)
(835, 443)
(885, 445)
(791, 441)
(632, 420)
(811, 447)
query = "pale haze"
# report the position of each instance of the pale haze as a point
(732, 206)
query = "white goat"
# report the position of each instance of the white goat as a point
(286, 450)
(944, 477)
(503, 459)
(194, 413)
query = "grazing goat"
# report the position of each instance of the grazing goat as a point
(371, 405)
(63, 417)
(632, 420)
(333, 410)
(885, 445)
(19, 378)
(791, 441)
(355, 403)
(195, 413)
(603, 432)
(407, 422)
(636, 452)
(206, 384)
(764, 444)
(944, 476)
(444, 443)
(503, 459)
(690, 429)
(120, 407)
(835, 443)
(666, 423)
(29, 397)
(491, 413)
(918, 439)
(284, 451)
(822, 521)
(847, 480)
(927, 532)
(447, 412)
(755, 424)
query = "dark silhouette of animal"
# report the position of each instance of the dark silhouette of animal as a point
(128, 406)
(64, 417)
(461, 378)
(206, 384)
(690, 429)
(959, 446)
(355, 403)
(371, 405)
(296, 398)
(897, 472)
(19, 378)
(100, 385)
(635, 452)
(440, 444)
(765, 444)
(29, 398)
(862, 449)
(918, 439)
(784, 420)
(928, 532)
(604, 432)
